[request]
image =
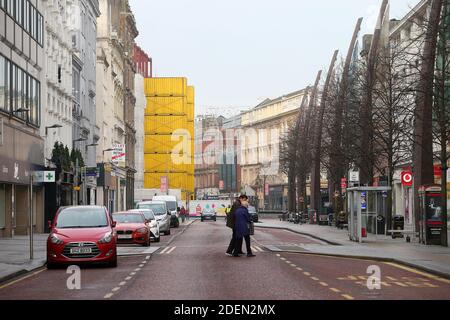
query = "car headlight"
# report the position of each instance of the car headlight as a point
(107, 238)
(142, 230)
(55, 240)
(153, 224)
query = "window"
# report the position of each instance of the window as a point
(10, 7)
(3, 103)
(3, 4)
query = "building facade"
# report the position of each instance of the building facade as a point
(21, 145)
(143, 70)
(85, 132)
(208, 153)
(109, 101)
(262, 128)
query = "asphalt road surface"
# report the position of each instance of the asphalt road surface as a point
(191, 265)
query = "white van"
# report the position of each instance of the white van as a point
(172, 205)
(161, 212)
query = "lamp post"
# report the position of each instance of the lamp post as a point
(105, 199)
(55, 126)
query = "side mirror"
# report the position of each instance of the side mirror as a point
(49, 224)
(147, 220)
(114, 224)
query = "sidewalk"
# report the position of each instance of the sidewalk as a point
(15, 255)
(433, 259)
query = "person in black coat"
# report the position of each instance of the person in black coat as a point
(231, 224)
(241, 228)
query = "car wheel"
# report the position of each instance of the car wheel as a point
(168, 232)
(158, 239)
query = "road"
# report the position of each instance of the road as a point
(191, 265)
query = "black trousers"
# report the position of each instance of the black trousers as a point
(238, 245)
(232, 245)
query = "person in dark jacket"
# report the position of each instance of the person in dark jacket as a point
(241, 228)
(230, 224)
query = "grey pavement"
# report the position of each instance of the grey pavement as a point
(434, 259)
(15, 255)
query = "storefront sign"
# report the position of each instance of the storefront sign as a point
(407, 179)
(118, 155)
(354, 176)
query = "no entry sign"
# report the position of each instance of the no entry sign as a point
(407, 178)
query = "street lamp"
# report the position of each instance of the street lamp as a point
(55, 126)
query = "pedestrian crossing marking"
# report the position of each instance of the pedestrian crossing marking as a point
(314, 278)
(171, 250)
(299, 269)
(348, 297)
(307, 274)
(392, 278)
(109, 295)
(324, 284)
(164, 250)
(335, 290)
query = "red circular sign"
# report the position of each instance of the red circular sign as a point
(407, 179)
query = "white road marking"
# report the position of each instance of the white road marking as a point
(128, 278)
(109, 295)
(115, 289)
(164, 250)
(122, 283)
(171, 250)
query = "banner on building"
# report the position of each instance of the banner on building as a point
(164, 184)
(118, 155)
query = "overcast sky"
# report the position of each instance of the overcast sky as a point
(238, 52)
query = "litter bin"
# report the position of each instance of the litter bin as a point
(398, 224)
(381, 224)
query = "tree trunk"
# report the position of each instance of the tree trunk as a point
(317, 147)
(423, 138)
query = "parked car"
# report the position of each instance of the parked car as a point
(82, 234)
(208, 214)
(172, 205)
(162, 215)
(153, 224)
(132, 227)
(253, 214)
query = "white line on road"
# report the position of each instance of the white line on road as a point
(141, 266)
(109, 295)
(170, 251)
(115, 289)
(122, 283)
(147, 257)
(132, 273)
(128, 278)
(164, 250)
(137, 269)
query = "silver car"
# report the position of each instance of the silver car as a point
(161, 212)
(154, 225)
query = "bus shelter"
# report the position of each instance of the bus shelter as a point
(367, 206)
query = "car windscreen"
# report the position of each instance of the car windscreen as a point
(157, 208)
(71, 218)
(251, 209)
(171, 205)
(146, 212)
(128, 218)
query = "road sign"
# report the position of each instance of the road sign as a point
(354, 176)
(407, 179)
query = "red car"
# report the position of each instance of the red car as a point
(82, 234)
(132, 227)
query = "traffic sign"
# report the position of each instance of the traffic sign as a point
(407, 179)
